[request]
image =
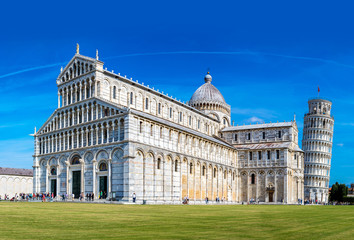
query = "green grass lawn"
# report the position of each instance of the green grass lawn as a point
(97, 221)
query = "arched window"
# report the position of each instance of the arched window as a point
(214, 172)
(75, 160)
(191, 168)
(158, 163)
(114, 92)
(131, 97)
(103, 166)
(224, 174)
(53, 171)
(141, 127)
(253, 178)
(146, 103)
(233, 176)
(176, 166)
(159, 108)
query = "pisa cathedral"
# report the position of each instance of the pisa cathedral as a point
(114, 135)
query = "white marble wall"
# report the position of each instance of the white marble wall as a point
(11, 184)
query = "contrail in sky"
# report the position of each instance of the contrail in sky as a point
(191, 52)
(30, 69)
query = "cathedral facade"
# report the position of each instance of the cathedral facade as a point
(115, 136)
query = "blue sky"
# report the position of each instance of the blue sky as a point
(266, 57)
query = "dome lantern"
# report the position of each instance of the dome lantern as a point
(208, 97)
(207, 78)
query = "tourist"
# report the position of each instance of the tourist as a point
(134, 197)
(185, 200)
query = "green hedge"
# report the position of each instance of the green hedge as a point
(349, 200)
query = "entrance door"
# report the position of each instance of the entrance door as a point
(76, 183)
(271, 196)
(53, 187)
(103, 186)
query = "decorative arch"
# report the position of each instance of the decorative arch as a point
(42, 162)
(102, 154)
(73, 154)
(117, 153)
(88, 156)
(52, 161)
(75, 160)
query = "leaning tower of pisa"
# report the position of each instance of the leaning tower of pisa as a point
(317, 143)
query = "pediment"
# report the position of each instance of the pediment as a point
(47, 126)
(76, 67)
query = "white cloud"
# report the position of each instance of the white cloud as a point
(340, 144)
(255, 119)
(347, 124)
(11, 125)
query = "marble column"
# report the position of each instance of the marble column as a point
(82, 190)
(113, 135)
(91, 134)
(67, 177)
(257, 179)
(47, 179)
(82, 138)
(58, 181)
(275, 187)
(109, 178)
(248, 186)
(80, 93)
(77, 139)
(94, 162)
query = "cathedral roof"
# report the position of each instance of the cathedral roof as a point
(258, 126)
(16, 171)
(207, 93)
(259, 146)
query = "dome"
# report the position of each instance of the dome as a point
(207, 93)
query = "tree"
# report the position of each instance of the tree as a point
(338, 192)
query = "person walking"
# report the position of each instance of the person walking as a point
(134, 197)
